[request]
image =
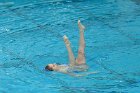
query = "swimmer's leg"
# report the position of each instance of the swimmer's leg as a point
(70, 53)
(81, 53)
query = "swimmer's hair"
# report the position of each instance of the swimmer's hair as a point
(48, 68)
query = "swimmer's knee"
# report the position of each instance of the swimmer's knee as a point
(81, 52)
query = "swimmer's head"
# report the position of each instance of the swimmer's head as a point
(51, 67)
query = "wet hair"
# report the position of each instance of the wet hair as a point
(48, 68)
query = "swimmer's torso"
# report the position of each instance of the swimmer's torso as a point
(66, 68)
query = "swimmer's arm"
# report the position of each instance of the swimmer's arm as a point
(74, 75)
(71, 74)
(80, 75)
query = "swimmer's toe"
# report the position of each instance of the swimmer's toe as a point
(81, 26)
(66, 40)
(65, 37)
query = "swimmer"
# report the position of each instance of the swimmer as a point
(76, 64)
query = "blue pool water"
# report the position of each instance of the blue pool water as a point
(31, 37)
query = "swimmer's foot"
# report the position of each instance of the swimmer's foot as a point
(66, 40)
(81, 26)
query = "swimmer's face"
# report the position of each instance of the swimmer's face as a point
(51, 67)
